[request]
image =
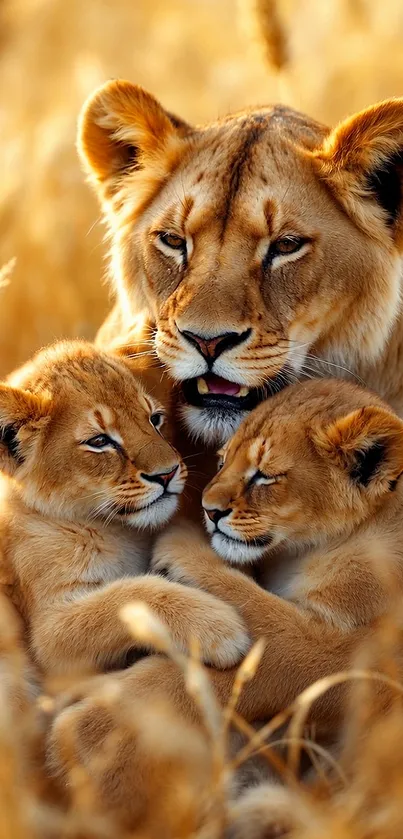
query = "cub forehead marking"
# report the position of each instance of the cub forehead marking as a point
(259, 448)
(147, 403)
(103, 418)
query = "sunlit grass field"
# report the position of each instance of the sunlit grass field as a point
(203, 58)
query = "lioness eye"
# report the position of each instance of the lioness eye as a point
(99, 442)
(171, 240)
(287, 245)
(157, 419)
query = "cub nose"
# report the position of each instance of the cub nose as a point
(162, 478)
(211, 348)
(216, 515)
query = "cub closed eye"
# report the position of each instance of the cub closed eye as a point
(260, 479)
(157, 419)
(173, 241)
(100, 442)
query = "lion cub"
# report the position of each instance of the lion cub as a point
(310, 492)
(87, 471)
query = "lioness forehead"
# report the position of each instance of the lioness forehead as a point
(252, 160)
(272, 121)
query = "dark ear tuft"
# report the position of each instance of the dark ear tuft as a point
(8, 437)
(362, 159)
(129, 158)
(386, 185)
(123, 128)
(367, 462)
(367, 444)
(22, 413)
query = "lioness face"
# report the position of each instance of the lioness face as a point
(306, 467)
(257, 244)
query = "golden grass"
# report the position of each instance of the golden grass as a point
(327, 58)
(202, 59)
(356, 794)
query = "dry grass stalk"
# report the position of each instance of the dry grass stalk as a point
(49, 219)
(6, 272)
(356, 796)
(263, 22)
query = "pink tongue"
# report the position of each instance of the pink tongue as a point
(216, 384)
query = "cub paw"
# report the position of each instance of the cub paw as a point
(220, 631)
(264, 812)
(182, 554)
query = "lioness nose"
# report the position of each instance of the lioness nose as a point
(216, 515)
(211, 348)
(162, 478)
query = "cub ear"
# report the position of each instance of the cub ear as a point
(22, 415)
(368, 444)
(362, 161)
(123, 128)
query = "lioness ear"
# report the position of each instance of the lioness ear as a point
(22, 414)
(362, 161)
(123, 128)
(368, 443)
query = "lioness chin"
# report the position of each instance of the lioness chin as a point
(257, 245)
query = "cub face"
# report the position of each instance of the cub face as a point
(255, 243)
(306, 466)
(83, 440)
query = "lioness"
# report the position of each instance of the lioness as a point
(257, 245)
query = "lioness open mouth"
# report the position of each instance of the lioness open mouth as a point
(211, 391)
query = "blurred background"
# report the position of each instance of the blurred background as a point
(202, 58)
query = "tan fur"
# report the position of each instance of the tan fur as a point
(265, 811)
(232, 191)
(332, 571)
(72, 550)
(333, 560)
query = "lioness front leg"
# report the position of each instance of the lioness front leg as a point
(88, 633)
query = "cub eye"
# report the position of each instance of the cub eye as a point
(157, 419)
(260, 479)
(99, 442)
(171, 240)
(287, 245)
(220, 459)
